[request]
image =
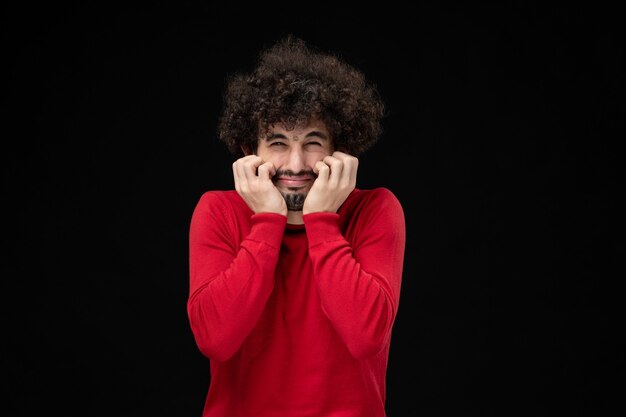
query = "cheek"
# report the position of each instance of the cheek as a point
(277, 160)
(313, 157)
(267, 156)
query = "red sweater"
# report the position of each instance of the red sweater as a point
(296, 319)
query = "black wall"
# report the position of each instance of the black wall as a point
(500, 142)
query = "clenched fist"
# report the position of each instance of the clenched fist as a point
(253, 182)
(336, 178)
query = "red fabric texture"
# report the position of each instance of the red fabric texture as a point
(296, 320)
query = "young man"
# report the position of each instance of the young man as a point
(295, 275)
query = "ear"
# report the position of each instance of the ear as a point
(246, 150)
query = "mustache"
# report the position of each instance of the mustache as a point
(289, 173)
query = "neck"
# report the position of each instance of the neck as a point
(294, 217)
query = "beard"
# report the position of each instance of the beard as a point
(294, 200)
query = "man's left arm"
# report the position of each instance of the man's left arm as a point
(359, 284)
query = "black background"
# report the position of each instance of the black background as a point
(500, 142)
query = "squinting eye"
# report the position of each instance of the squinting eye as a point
(276, 144)
(314, 143)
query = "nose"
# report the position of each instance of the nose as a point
(295, 160)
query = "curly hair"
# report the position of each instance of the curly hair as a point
(293, 83)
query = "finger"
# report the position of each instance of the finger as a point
(266, 171)
(242, 180)
(244, 159)
(236, 175)
(250, 167)
(336, 169)
(340, 155)
(344, 157)
(322, 170)
(350, 166)
(353, 171)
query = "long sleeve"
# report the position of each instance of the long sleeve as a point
(359, 285)
(230, 282)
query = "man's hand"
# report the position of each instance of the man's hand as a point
(258, 191)
(335, 181)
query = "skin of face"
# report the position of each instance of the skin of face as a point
(294, 154)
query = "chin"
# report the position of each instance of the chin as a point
(294, 199)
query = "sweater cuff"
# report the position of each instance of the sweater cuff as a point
(268, 228)
(321, 226)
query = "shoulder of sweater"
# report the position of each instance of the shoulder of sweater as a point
(375, 196)
(228, 200)
(366, 205)
(219, 194)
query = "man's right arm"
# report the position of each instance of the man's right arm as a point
(229, 282)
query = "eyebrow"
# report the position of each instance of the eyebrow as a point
(312, 133)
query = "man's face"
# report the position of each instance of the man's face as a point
(294, 154)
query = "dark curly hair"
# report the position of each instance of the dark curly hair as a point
(293, 83)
